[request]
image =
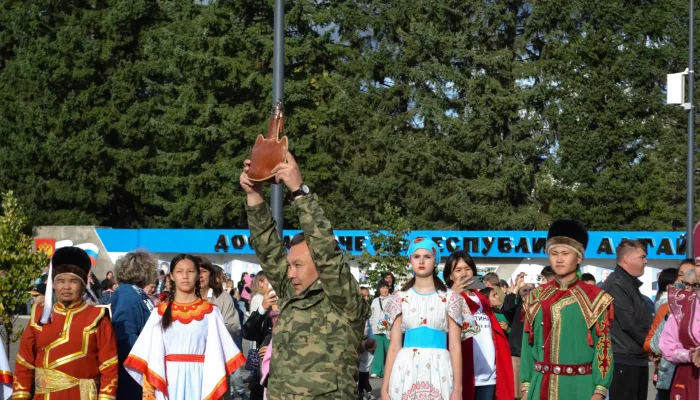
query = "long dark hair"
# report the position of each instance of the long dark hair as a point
(214, 283)
(393, 281)
(439, 285)
(667, 277)
(452, 260)
(167, 319)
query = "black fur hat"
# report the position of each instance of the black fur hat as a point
(569, 233)
(71, 260)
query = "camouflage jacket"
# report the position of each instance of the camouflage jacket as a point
(316, 339)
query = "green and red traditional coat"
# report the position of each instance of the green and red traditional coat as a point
(567, 352)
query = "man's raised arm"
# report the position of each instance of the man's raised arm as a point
(337, 281)
(340, 286)
(264, 238)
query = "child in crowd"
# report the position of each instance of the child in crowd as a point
(367, 349)
(496, 302)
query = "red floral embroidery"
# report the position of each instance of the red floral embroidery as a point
(604, 347)
(415, 353)
(444, 299)
(422, 390)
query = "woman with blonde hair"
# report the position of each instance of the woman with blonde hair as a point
(260, 288)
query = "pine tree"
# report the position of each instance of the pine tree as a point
(19, 266)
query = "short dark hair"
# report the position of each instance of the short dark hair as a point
(687, 261)
(486, 292)
(382, 284)
(547, 272)
(667, 277)
(297, 239)
(587, 277)
(364, 288)
(626, 245)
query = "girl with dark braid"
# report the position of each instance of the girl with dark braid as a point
(185, 351)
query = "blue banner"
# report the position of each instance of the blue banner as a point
(488, 244)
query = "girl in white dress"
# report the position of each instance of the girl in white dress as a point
(430, 315)
(184, 352)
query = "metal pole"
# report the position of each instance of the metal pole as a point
(690, 184)
(277, 191)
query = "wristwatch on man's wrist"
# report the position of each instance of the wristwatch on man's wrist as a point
(302, 191)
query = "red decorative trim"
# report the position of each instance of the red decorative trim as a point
(186, 313)
(141, 365)
(593, 302)
(532, 304)
(185, 358)
(234, 363)
(604, 347)
(219, 390)
(6, 377)
(546, 305)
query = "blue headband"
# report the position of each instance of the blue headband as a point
(427, 244)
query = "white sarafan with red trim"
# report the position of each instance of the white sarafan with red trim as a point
(5, 375)
(189, 360)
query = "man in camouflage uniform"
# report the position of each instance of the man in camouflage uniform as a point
(322, 313)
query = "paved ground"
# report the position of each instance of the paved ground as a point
(376, 383)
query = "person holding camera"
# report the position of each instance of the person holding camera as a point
(258, 328)
(487, 372)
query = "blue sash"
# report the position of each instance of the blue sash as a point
(425, 338)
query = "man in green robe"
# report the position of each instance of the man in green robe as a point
(567, 352)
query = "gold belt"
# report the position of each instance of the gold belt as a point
(51, 380)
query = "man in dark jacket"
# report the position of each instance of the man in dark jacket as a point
(631, 324)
